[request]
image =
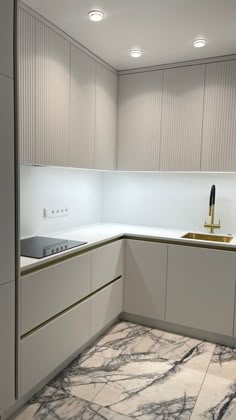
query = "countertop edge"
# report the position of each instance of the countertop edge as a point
(175, 240)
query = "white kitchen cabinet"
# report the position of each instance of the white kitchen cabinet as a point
(145, 278)
(182, 110)
(235, 317)
(7, 346)
(6, 37)
(106, 305)
(47, 348)
(219, 122)
(82, 110)
(106, 118)
(139, 122)
(7, 180)
(52, 93)
(26, 86)
(201, 288)
(47, 292)
(107, 264)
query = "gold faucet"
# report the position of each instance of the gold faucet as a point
(212, 225)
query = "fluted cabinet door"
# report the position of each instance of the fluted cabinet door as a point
(82, 109)
(26, 86)
(52, 63)
(139, 126)
(219, 123)
(183, 93)
(106, 118)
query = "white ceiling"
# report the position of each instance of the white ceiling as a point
(163, 29)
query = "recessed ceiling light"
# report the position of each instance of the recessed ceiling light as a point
(96, 15)
(199, 43)
(135, 53)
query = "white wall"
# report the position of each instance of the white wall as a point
(43, 187)
(169, 200)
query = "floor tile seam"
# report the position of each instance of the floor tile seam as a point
(91, 401)
(203, 381)
(108, 407)
(132, 348)
(109, 381)
(68, 393)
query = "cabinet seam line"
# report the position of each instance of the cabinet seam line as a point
(34, 151)
(167, 258)
(117, 120)
(161, 120)
(95, 119)
(203, 110)
(69, 148)
(234, 309)
(90, 303)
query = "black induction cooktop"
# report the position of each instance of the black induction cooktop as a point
(40, 246)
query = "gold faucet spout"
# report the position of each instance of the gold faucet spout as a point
(212, 225)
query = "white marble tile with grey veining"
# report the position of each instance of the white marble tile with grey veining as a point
(53, 404)
(142, 373)
(87, 375)
(162, 376)
(217, 399)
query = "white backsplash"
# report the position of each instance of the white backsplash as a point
(174, 200)
(46, 187)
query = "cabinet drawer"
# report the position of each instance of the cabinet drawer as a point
(47, 292)
(107, 264)
(106, 305)
(45, 349)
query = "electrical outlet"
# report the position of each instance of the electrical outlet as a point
(53, 213)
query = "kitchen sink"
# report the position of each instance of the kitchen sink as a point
(208, 237)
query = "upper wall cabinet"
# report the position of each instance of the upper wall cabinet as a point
(106, 119)
(52, 78)
(219, 123)
(186, 123)
(67, 101)
(160, 119)
(44, 92)
(82, 105)
(6, 37)
(139, 130)
(183, 92)
(26, 86)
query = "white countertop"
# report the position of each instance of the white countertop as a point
(97, 234)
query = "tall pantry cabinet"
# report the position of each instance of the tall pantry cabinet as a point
(7, 214)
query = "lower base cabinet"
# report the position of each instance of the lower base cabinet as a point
(106, 305)
(145, 278)
(201, 288)
(45, 349)
(7, 346)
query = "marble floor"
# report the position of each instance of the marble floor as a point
(135, 372)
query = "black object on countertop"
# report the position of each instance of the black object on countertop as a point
(40, 246)
(212, 196)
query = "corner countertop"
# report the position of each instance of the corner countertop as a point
(97, 234)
